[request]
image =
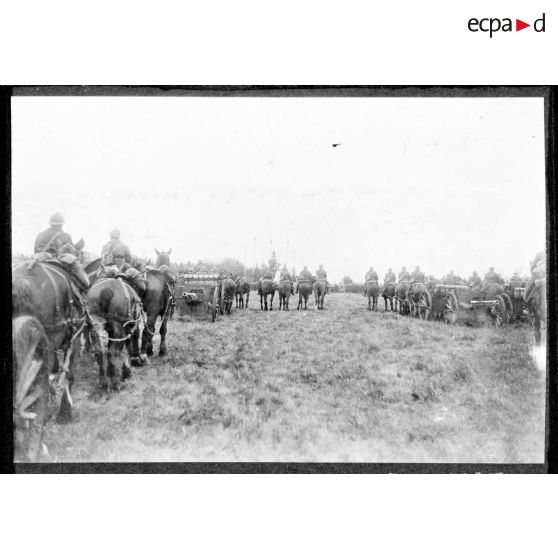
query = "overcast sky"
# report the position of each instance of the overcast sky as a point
(443, 183)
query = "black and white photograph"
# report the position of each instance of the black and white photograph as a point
(221, 275)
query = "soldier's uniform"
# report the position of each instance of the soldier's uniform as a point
(418, 276)
(371, 275)
(404, 275)
(389, 277)
(286, 276)
(305, 276)
(493, 277)
(115, 244)
(475, 280)
(321, 273)
(53, 238)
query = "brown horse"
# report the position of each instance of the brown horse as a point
(372, 292)
(242, 288)
(402, 300)
(44, 290)
(320, 290)
(420, 301)
(267, 288)
(157, 302)
(228, 289)
(285, 291)
(388, 293)
(304, 291)
(115, 312)
(32, 361)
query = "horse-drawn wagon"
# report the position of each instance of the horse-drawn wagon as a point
(468, 304)
(197, 295)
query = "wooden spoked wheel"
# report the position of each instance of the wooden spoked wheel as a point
(424, 305)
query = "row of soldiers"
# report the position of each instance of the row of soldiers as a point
(57, 243)
(538, 273)
(418, 276)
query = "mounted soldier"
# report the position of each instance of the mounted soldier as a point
(475, 280)
(493, 277)
(321, 272)
(389, 276)
(371, 275)
(56, 244)
(305, 276)
(115, 244)
(404, 275)
(286, 276)
(53, 238)
(418, 275)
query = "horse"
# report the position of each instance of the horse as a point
(285, 291)
(388, 293)
(372, 291)
(157, 302)
(163, 258)
(320, 289)
(242, 288)
(115, 311)
(44, 291)
(32, 361)
(536, 305)
(266, 288)
(402, 300)
(304, 290)
(228, 289)
(420, 301)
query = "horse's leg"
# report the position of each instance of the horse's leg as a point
(271, 301)
(147, 336)
(247, 298)
(261, 302)
(115, 354)
(537, 328)
(369, 302)
(163, 340)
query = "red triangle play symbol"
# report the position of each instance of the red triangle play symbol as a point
(519, 25)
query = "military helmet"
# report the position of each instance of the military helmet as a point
(57, 219)
(115, 233)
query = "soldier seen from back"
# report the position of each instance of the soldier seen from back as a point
(418, 275)
(371, 275)
(52, 239)
(286, 276)
(55, 244)
(475, 280)
(493, 277)
(304, 277)
(321, 272)
(404, 275)
(389, 276)
(115, 245)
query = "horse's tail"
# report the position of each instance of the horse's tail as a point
(22, 297)
(105, 298)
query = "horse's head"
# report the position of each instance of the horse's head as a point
(163, 258)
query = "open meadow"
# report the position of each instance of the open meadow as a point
(343, 384)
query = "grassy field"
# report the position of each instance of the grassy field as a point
(342, 384)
